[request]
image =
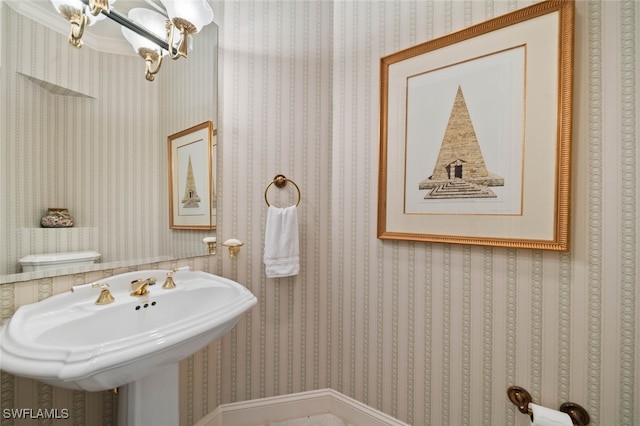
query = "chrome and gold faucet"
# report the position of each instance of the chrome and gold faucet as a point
(141, 287)
(105, 296)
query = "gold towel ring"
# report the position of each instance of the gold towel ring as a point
(280, 181)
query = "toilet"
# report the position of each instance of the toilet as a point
(41, 262)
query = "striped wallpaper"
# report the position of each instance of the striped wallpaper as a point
(432, 334)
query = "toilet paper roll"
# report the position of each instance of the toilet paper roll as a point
(543, 416)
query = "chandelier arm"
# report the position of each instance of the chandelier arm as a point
(77, 30)
(150, 72)
(98, 6)
(170, 30)
(184, 42)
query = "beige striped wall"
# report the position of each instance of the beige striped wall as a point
(432, 334)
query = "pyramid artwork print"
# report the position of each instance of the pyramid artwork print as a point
(191, 200)
(460, 170)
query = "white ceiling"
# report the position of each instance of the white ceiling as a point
(105, 36)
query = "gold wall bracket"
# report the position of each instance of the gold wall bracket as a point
(234, 246)
(210, 242)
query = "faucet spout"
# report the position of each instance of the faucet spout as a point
(141, 287)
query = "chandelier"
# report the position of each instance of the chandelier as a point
(151, 34)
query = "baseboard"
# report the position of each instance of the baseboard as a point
(297, 405)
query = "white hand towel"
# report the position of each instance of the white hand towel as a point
(281, 245)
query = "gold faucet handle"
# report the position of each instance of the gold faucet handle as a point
(105, 296)
(169, 283)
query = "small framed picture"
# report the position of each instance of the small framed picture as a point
(191, 174)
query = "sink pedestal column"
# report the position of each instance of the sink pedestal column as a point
(150, 401)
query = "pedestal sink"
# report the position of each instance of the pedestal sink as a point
(69, 341)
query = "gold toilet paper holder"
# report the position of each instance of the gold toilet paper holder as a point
(521, 398)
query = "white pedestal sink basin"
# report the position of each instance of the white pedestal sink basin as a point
(69, 341)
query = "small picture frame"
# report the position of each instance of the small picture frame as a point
(191, 194)
(475, 133)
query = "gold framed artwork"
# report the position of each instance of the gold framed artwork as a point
(475, 134)
(191, 186)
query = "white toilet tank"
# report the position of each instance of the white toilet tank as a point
(41, 262)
